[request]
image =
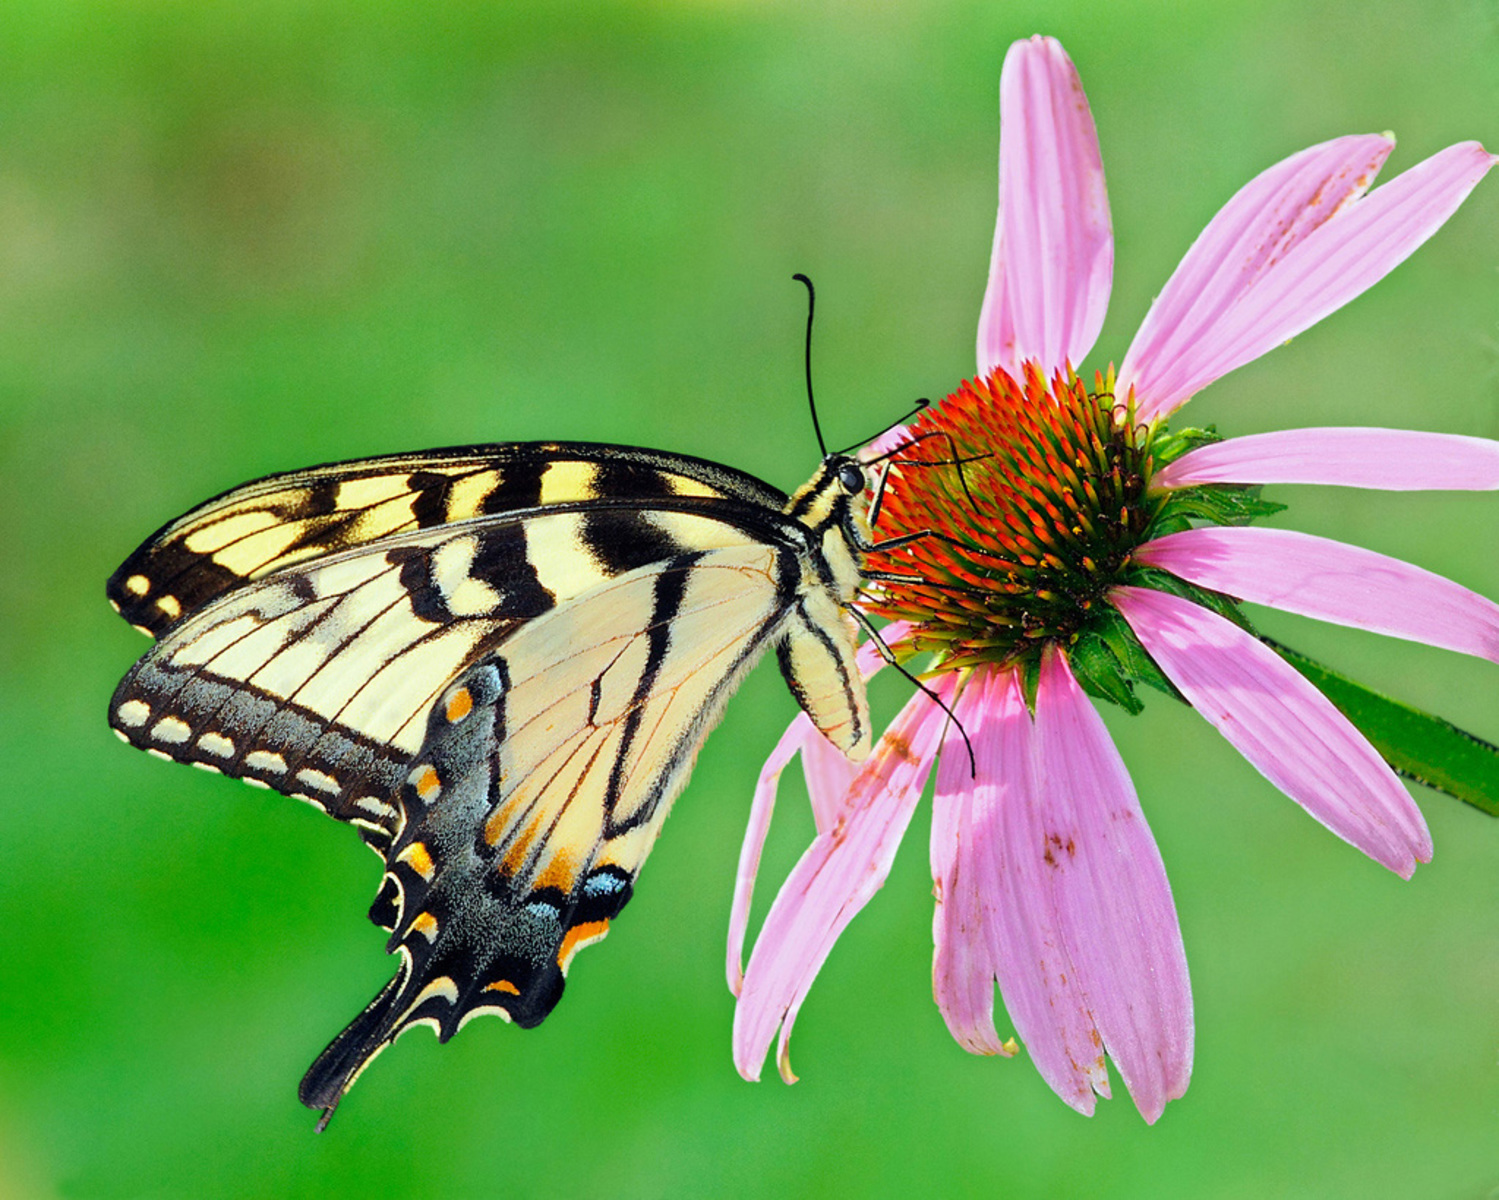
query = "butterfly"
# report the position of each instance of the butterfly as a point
(497, 663)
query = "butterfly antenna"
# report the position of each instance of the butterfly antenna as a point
(920, 404)
(957, 460)
(889, 656)
(811, 403)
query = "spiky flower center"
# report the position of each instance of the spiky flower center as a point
(1034, 495)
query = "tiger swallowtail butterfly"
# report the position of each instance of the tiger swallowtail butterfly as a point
(498, 664)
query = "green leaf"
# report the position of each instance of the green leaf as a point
(1418, 745)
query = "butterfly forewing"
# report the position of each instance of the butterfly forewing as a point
(264, 526)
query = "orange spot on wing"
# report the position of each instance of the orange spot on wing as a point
(577, 937)
(559, 873)
(425, 924)
(416, 857)
(521, 843)
(460, 704)
(502, 985)
(428, 784)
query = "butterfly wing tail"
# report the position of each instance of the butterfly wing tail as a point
(347, 1055)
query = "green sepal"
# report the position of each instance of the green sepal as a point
(1100, 672)
(1419, 746)
(1168, 445)
(1214, 504)
(1109, 661)
(1030, 680)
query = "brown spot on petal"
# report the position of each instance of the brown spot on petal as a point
(898, 747)
(1054, 844)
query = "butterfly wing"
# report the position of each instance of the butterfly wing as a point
(504, 699)
(317, 680)
(272, 523)
(545, 774)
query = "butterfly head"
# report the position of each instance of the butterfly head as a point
(834, 507)
(838, 488)
(850, 474)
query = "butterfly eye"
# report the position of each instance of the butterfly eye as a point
(851, 476)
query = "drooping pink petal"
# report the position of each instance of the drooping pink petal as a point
(1027, 946)
(1296, 244)
(828, 775)
(836, 876)
(1053, 259)
(800, 733)
(1393, 460)
(1288, 730)
(1101, 873)
(1332, 581)
(964, 969)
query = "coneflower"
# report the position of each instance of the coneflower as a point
(1080, 546)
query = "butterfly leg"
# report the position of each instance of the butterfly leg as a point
(878, 499)
(889, 656)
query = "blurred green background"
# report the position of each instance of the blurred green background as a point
(236, 239)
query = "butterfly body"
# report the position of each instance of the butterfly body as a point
(498, 663)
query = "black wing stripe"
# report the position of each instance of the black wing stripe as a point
(671, 589)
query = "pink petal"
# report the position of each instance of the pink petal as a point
(828, 775)
(1095, 863)
(1296, 244)
(877, 450)
(1250, 234)
(1284, 726)
(800, 733)
(1331, 581)
(1393, 460)
(964, 969)
(836, 876)
(1026, 945)
(1053, 259)
(1055, 886)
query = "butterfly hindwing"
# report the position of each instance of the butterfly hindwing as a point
(317, 681)
(547, 771)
